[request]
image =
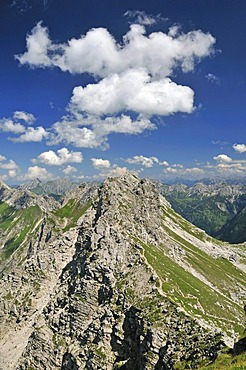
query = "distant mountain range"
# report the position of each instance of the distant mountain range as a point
(54, 187)
(206, 181)
(216, 207)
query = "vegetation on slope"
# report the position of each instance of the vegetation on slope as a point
(227, 361)
(235, 230)
(193, 279)
(209, 207)
(71, 212)
(16, 226)
(202, 211)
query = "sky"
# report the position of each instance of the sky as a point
(90, 89)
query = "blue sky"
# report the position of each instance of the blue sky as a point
(92, 88)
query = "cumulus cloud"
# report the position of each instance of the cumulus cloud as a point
(26, 117)
(59, 158)
(73, 131)
(144, 161)
(31, 134)
(37, 172)
(147, 162)
(180, 171)
(17, 125)
(7, 125)
(171, 170)
(114, 172)
(38, 45)
(99, 163)
(222, 158)
(98, 53)
(231, 168)
(133, 90)
(241, 148)
(69, 170)
(131, 76)
(194, 170)
(12, 173)
(9, 165)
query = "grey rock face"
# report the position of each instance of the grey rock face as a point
(107, 310)
(94, 296)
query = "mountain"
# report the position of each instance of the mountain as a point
(209, 207)
(115, 278)
(234, 231)
(31, 185)
(54, 187)
(206, 181)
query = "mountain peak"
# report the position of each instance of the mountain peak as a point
(114, 277)
(3, 185)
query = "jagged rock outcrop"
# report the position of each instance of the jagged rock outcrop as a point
(110, 298)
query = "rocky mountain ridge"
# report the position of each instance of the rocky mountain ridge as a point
(127, 283)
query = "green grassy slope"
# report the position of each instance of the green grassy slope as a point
(71, 212)
(16, 225)
(202, 285)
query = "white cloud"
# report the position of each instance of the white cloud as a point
(123, 124)
(31, 134)
(26, 117)
(7, 125)
(12, 173)
(132, 76)
(170, 170)
(59, 158)
(241, 148)
(13, 125)
(72, 131)
(37, 172)
(114, 172)
(98, 53)
(38, 45)
(194, 170)
(222, 158)
(144, 161)
(99, 163)
(133, 90)
(231, 168)
(69, 170)
(9, 165)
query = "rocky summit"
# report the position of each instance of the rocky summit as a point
(113, 278)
